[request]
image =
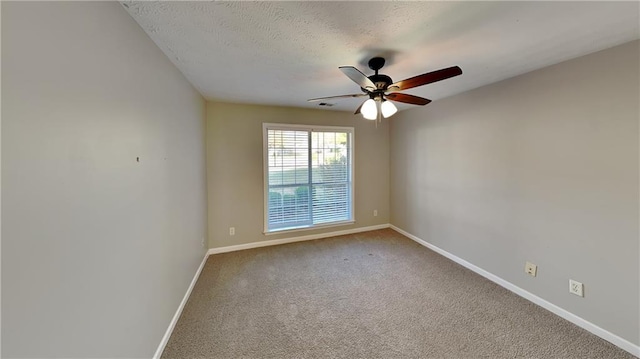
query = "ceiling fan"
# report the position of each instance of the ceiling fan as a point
(382, 90)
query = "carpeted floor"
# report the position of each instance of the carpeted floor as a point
(367, 295)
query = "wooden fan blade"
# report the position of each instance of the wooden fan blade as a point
(337, 97)
(429, 77)
(403, 97)
(358, 77)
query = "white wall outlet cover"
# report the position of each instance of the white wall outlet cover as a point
(531, 269)
(576, 288)
(232, 231)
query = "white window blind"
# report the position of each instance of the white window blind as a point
(308, 176)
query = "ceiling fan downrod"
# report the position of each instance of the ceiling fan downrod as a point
(381, 81)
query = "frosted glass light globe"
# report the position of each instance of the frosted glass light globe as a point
(388, 109)
(369, 109)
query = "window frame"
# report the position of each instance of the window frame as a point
(265, 173)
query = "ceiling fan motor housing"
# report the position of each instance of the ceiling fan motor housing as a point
(381, 81)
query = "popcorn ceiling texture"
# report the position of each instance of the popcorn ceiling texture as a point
(282, 53)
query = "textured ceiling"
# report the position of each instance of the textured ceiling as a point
(283, 53)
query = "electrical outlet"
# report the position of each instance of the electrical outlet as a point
(232, 231)
(576, 288)
(375, 213)
(202, 242)
(531, 269)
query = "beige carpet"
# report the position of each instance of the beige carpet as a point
(368, 295)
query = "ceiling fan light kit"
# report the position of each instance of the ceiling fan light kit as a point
(381, 89)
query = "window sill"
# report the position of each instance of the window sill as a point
(302, 229)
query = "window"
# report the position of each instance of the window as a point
(308, 174)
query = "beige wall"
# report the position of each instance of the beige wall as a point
(97, 248)
(542, 167)
(235, 178)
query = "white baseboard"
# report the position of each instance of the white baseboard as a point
(602, 333)
(276, 242)
(176, 316)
